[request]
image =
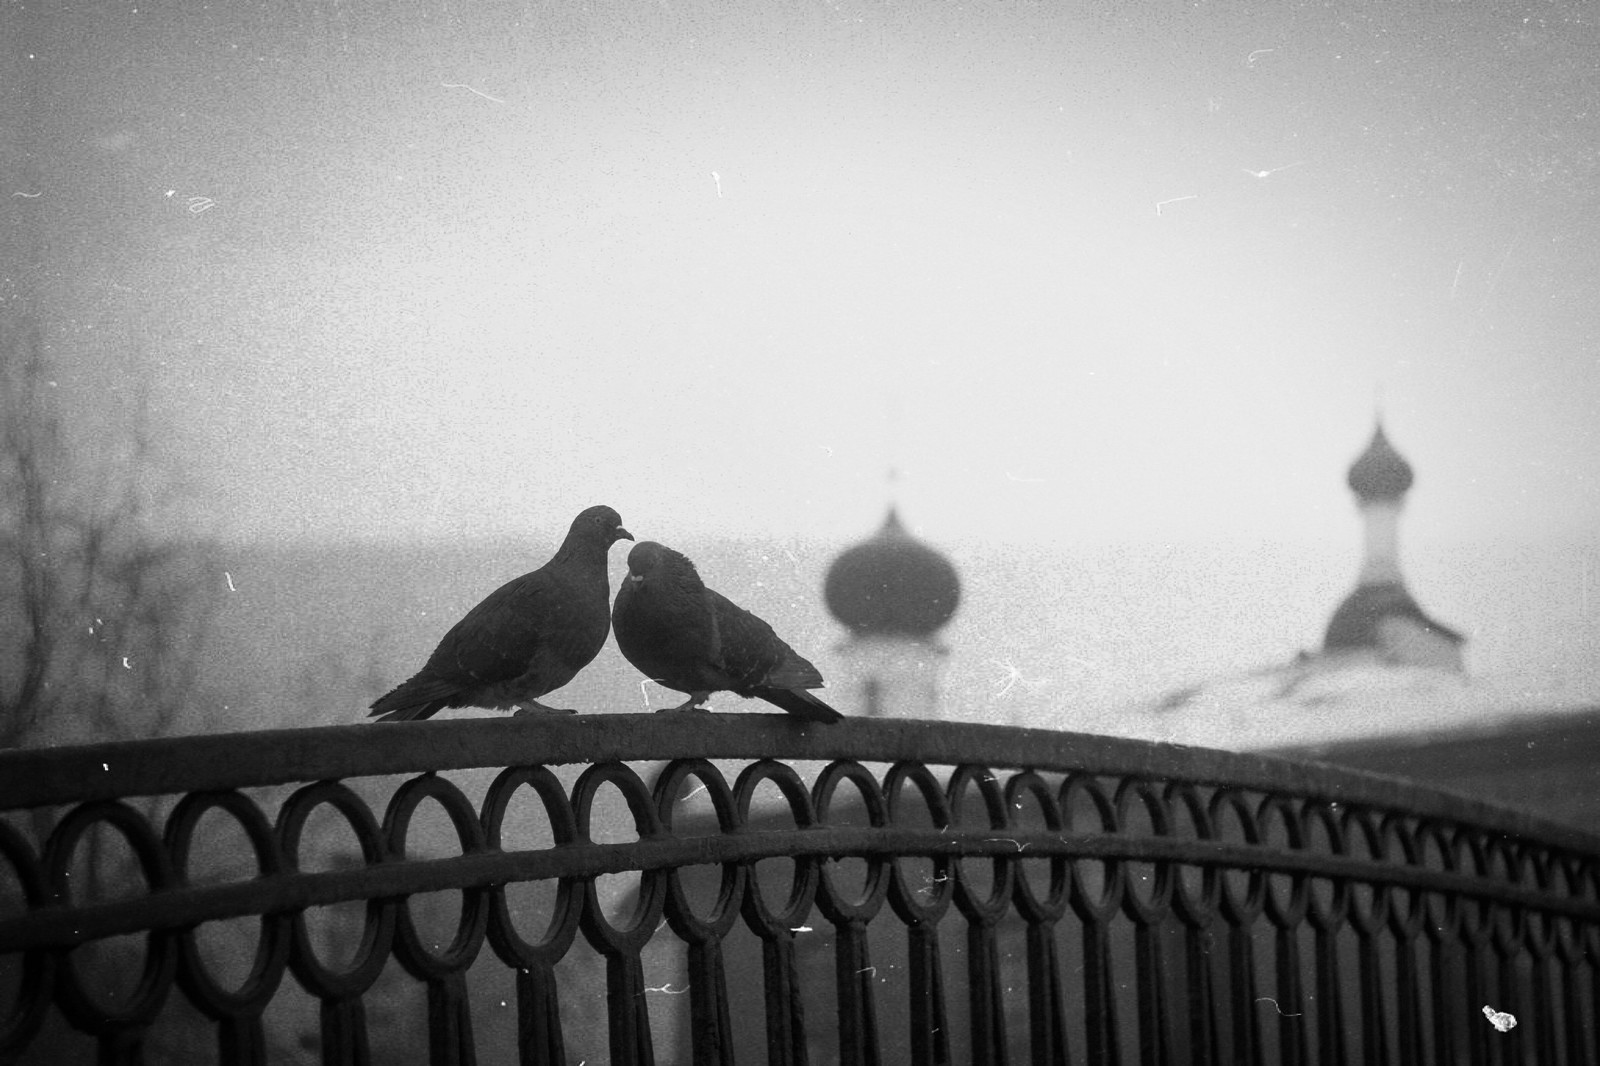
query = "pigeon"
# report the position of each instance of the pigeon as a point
(687, 637)
(530, 636)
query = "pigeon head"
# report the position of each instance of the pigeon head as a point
(650, 563)
(600, 523)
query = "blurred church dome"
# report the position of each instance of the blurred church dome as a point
(1380, 472)
(892, 584)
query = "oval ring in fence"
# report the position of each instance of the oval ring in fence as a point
(835, 903)
(762, 918)
(161, 956)
(1508, 923)
(1197, 910)
(1051, 906)
(1239, 912)
(1407, 910)
(1592, 934)
(925, 903)
(1441, 913)
(1319, 814)
(1476, 916)
(1571, 933)
(1104, 906)
(1366, 842)
(686, 921)
(973, 903)
(1542, 926)
(377, 925)
(20, 1023)
(1289, 913)
(474, 918)
(1154, 910)
(508, 943)
(271, 957)
(632, 937)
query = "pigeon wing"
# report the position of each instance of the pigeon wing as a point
(497, 640)
(760, 664)
(751, 654)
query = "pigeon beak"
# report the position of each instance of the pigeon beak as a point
(621, 534)
(635, 578)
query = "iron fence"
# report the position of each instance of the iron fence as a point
(871, 891)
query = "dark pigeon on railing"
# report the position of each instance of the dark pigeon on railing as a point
(529, 637)
(687, 637)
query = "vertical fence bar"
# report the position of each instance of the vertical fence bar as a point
(1446, 1004)
(1511, 999)
(1047, 1022)
(242, 1041)
(1150, 968)
(930, 1028)
(855, 977)
(1477, 964)
(711, 1030)
(121, 1045)
(450, 1040)
(984, 994)
(1202, 1002)
(1330, 996)
(627, 1012)
(1408, 985)
(1546, 1016)
(1573, 1008)
(1101, 1032)
(1290, 1001)
(1374, 1015)
(1245, 1012)
(539, 1040)
(786, 1022)
(344, 1033)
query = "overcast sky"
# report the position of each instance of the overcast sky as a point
(1078, 271)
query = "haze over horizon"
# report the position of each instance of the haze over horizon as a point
(1090, 277)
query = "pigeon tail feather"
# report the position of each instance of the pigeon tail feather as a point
(799, 703)
(420, 697)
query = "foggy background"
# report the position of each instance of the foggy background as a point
(1115, 290)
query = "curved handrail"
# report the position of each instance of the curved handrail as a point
(42, 777)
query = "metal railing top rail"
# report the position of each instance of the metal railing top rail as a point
(43, 777)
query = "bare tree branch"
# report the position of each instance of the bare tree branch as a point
(102, 614)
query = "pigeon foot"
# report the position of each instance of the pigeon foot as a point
(535, 707)
(692, 704)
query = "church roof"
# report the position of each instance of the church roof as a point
(1355, 623)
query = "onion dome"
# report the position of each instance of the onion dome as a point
(892, 584)
(1379, 473)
